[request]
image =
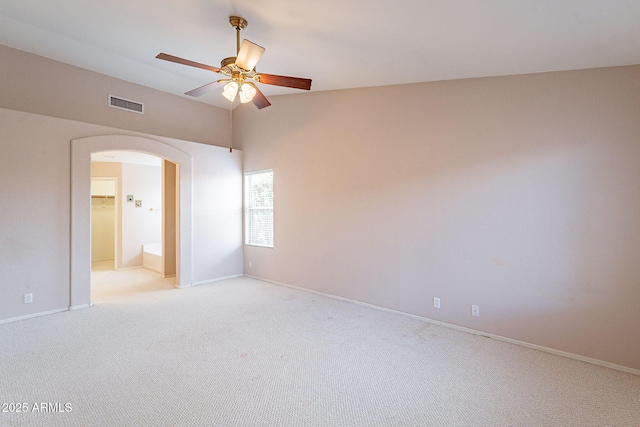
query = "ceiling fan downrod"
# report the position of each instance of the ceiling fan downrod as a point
(239, 24)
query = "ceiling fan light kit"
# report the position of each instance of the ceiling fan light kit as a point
(240, 72)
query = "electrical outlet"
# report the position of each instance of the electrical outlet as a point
(250, 264)
(436, 302)
(475, 310)
(28, 298)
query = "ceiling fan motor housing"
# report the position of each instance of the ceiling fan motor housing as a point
(226, 62)
(237, 22)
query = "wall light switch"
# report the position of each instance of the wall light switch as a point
(130, 198)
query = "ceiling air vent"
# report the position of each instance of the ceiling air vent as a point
(126, 104)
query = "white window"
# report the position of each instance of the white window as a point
(258, 218)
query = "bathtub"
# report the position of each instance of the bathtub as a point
(152, 256)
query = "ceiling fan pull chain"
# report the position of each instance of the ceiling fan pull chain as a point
(231, 127)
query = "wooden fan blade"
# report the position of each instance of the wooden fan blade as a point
(259, 100)
(206, 88)
(249, 55)
(183, 61)
(294, 82)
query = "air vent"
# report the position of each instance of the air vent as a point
(126, 104)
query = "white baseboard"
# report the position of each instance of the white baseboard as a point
(468, 330)
(80, 307)
(31, 316)
(204, 282)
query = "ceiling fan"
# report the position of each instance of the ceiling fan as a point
(240, 71)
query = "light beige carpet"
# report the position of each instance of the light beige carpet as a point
(243, 352)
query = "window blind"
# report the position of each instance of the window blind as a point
(259, 208)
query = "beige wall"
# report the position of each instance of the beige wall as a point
(35, 215)
(140, 225)
(38, 85)
(45, 104)
(519, 194)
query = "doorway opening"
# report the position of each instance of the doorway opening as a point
(103, 221)
(134, 216)
(81, 168)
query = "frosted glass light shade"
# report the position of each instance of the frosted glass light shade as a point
(230, 91)
(249, 55)
(247, 92)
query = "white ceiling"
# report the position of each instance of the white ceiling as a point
(338, 43)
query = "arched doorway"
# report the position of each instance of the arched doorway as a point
(81, 149)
